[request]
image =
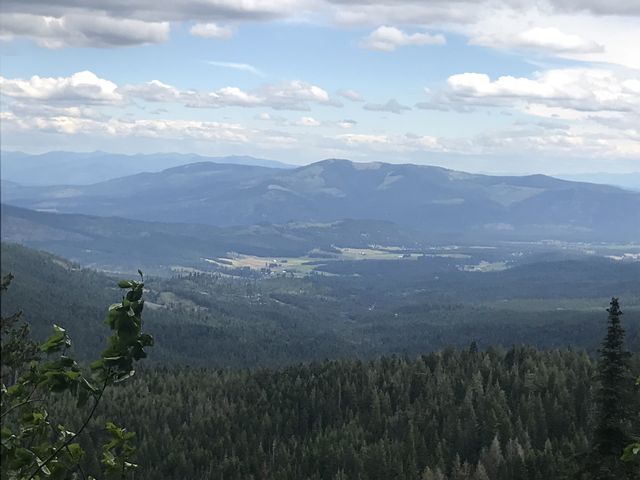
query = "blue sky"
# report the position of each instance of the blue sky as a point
(486, 85)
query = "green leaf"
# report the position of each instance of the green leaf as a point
(111, 427)
(75, 451)
(8, 438)
(134, 295)
(67, 362)
(632, 452)
(23, 457)
(97, 365)
(57, 341)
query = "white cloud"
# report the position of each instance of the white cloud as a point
(367, 139)
(211, 30)
(83, 30)
(610, 24)
(579, 89)
(93, 23)
(405, 12)
(547, 39)
(541, 29)
(550, 38)
(419, 12)
(179, 129)
(599, 7)
(295, 95)
(308, 122)
(606, 28)
(156, 91)
(600, 109)
(168, 132)
(352, 95)
(86, 88)
(536, 140)
(243, 67)
(579, 140)
(114, 127)
(347, 124)
(387, 39)
(153, 91)
(391, 106)
(227, 96)
(38, 109)
(177, 10)
(80, 88)
(387, 143)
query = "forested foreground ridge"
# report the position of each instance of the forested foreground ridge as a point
(457, 414)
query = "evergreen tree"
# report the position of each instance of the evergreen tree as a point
(632, 452)
(612, 400)
(16, 346)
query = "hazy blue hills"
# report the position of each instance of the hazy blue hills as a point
(73, 168)
(444, 203)
(119, 244)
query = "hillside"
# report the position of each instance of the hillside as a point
(121, 244)
(216, 320)
(520, 414)
(444, 203)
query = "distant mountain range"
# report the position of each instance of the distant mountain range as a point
(73, 168)
(444, 203)
(630, 181)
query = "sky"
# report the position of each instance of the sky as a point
(494, 86)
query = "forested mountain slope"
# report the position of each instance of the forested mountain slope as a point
(121, 244)
(212, 320)
(52, 290)
(446, 203)
(520, 414)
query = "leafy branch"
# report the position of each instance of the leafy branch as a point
(27, 451)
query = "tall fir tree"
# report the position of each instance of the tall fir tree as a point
(612, 400)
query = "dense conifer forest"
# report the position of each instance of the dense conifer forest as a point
(459, 414)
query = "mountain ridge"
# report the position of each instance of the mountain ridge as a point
(435, 199)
